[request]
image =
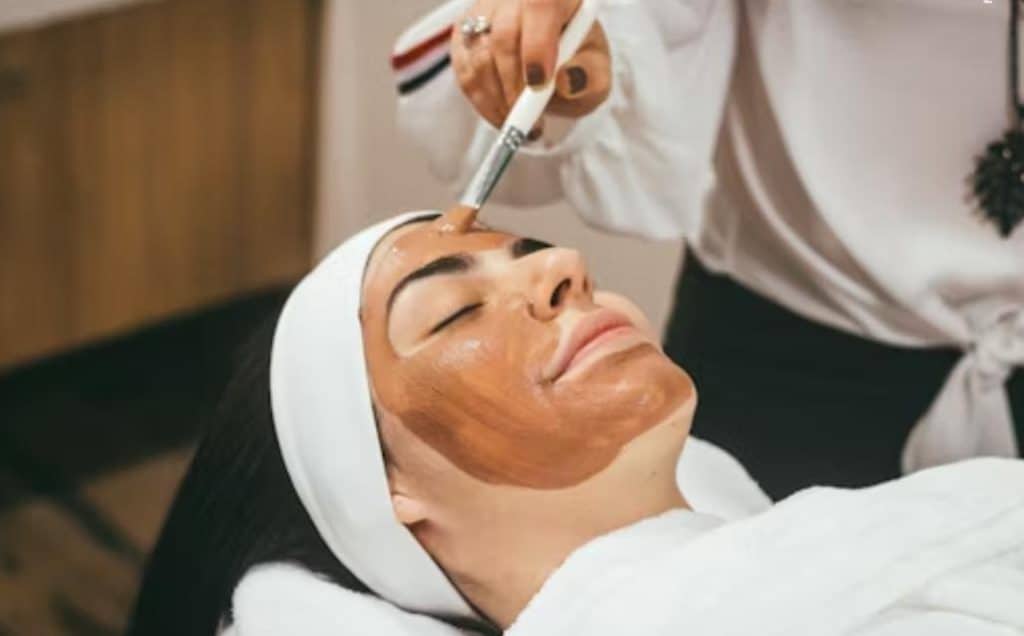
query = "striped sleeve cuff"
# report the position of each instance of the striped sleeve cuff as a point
(421, 62)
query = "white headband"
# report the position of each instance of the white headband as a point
(320, 395)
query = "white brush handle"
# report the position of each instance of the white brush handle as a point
(531, 103)
(526, 112)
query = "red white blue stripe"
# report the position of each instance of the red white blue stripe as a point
(418, 64)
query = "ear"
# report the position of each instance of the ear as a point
(408, 510)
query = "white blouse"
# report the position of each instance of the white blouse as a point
(817, 152)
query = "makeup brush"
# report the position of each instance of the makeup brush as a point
(525, 113)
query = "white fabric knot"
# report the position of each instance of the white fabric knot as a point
(1000, 349)
(971, 415)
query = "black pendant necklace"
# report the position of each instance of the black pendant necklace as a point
(998, 180)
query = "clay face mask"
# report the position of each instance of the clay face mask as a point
(492, 350)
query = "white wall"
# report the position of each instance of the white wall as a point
(367, 171)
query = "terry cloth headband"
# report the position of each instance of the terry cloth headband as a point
(320, 397)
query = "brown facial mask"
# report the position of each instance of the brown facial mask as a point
(466, 351)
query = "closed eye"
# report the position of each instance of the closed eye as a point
(459, 314)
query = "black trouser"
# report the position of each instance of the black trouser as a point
(798, 403)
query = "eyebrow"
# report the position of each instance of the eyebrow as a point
(461, 262)
(450, 264)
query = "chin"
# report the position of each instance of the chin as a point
(672, 394)
(625, 393)
(651, 363)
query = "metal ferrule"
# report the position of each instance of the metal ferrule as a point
(492, 167)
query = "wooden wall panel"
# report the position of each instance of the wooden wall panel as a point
(153, 160)
(205, 144)
(278, 40)
(35, 274)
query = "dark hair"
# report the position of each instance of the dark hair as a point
(235, 508)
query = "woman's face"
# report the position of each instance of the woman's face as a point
(495, 351)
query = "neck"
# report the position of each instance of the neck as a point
(500, 570)
(518, 566)
(499, 544)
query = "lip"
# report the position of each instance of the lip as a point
(587, 330)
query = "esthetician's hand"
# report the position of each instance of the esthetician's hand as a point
(521, 47)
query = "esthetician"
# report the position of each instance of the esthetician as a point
(852, 301)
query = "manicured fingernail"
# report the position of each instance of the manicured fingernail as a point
(577, 79)
(535, 134)
(534, 74)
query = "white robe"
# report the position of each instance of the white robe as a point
(940, 552)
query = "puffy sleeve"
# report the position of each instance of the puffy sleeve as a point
(640, 164)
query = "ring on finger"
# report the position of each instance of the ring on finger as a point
(473, 26)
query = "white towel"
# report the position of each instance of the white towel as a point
(937, 553)
(941, 551)
(283, 598)
(714, 482)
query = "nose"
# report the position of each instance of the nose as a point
(560, 279)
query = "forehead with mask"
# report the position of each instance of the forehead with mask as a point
(497, 353)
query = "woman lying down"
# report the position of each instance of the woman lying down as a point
(456, 433)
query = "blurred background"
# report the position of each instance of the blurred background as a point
(168, 169)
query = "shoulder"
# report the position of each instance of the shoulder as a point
(285, 598)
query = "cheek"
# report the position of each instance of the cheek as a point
(469, 403)
(465, 356)
(481, 370)
(475, 401)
